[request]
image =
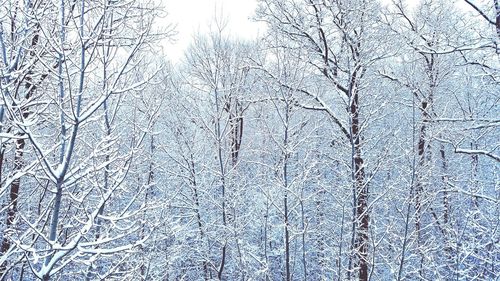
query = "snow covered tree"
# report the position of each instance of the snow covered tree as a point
(68, 67)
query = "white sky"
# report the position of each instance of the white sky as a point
(192, 16)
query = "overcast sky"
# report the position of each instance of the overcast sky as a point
(192, 16)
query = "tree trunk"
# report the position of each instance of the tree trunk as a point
(361, 189)
(13, 196)
(194, 187)
(421, 149)
(15, 186)
(236, 124)
(222, 182)
(497, 22)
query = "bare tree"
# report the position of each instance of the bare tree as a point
(58, 124)
(334, 37)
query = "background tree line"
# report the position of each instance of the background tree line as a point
(354, 140)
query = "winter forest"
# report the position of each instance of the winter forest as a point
(352, 140)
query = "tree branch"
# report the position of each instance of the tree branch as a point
(480, 12)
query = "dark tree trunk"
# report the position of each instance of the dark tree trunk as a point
(194, 186)
(497, 22)
(13, 196)
(15, 186)
(361, 189)
(419, 188)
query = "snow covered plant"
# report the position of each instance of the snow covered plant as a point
(353, 140)
(70, 72)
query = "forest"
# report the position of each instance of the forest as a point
(352, 140)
